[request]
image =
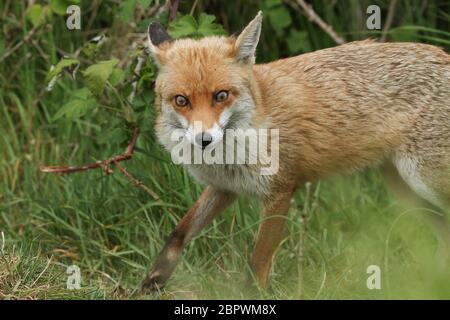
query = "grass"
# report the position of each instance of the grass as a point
(113, 231)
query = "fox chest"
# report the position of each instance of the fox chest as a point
(240, 179)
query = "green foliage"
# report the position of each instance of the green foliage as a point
(278, 14)
(91, 49)
(60, 6)
(298, 41)
(280, 18)
(98, 74)
(145, 3)
(116, 77)
(64, 65)
(403, 35)
(416, 33)
(127, 9)
(188, 26)
(36, 14)
(82, 103)
(109, 85)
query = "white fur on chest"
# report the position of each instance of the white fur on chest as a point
(240, 179)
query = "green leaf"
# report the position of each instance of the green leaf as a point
(82, 94)
(298, 41)
(145, 3)
(97, 75)
(146, 120)
(61, 66)
(183, 27)
(35, 14)
(116, 77)
(82, 101)
(113, 134)
(60, 6)
(279, 18)
(128, 113)
(75, 108)
(207, 27)
(127, 10)
(90, 50)
(187, 26)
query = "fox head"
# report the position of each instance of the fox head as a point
(204, 86)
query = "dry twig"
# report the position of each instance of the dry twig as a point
(136, 182)
(389, 19)
(314, 17)
(24, 40)
(141, 59)
(106, 166)
(173, 8)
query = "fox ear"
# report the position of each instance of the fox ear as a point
(156, 36)
(247, 41)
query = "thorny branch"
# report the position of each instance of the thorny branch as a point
(128, 154)
(104, 164)
(314, 17)
(136, 182)
(24, 40)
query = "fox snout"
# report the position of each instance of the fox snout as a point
(200, 137)
(203, 139)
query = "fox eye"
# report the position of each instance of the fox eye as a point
(221, 96)
(181, 101)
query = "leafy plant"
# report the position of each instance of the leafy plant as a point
(63, 65)
(188, 26)
(82, 102)
(60, 6)
(108, 84)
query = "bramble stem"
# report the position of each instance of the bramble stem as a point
(128, 154)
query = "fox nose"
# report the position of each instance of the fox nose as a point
(203, 139)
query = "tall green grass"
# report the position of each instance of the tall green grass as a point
(113, 231)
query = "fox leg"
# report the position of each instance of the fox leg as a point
(270, 234)
(211, 202)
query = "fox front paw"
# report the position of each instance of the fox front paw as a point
(153, 282)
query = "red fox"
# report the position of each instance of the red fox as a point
(337, 110)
